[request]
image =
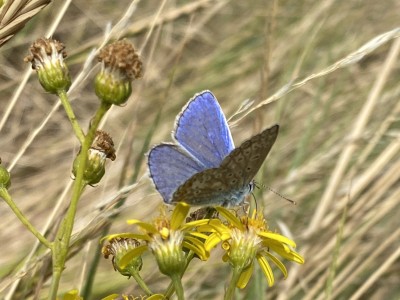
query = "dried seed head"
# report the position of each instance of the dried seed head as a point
(95, 166)
(101, 149)
(47, 58)
(121, 57)
(104, 143)
(120, 65)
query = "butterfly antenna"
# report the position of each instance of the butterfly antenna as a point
(280, 195)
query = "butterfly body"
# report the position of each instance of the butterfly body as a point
(203, 168)
(210, 187)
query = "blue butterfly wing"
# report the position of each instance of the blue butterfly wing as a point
(203, 131)
(229, 184)
(170, 167)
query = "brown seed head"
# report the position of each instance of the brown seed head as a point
(104, 143)
(42, 50)
(121, 56)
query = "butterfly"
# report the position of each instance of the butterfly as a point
(203, 167)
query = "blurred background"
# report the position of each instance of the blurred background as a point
(301, 64)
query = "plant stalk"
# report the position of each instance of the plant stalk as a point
(63, 237)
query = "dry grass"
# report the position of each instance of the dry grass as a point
(337, 154)
(15, 14)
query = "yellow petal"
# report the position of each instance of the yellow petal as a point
(179, 215)
(294, 256)
(230, 217)
(198, 235)
(245, 277)
(146, 226)
(214, 225)
(277, 262)
(219, 226)
(194, 224)
(214, 239)
(284, 251)
(265, 267)
(201, 253)
(194, 240)
(132, 254)
(205, 228)
(276, 237)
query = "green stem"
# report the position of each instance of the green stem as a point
(63, 237)
(71, 116)
(8, 199)
(55, 280)
(189, 257)
(87, 288)
(141, 283)
(176, 280)
(232, 285)
(171, 287)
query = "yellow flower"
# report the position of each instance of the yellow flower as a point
(167, 239)
(246, 239)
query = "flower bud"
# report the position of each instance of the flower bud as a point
(5, 178)
(101, 149)
(95, 166)
(117, 248)
(47, 58)
(120, 65)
